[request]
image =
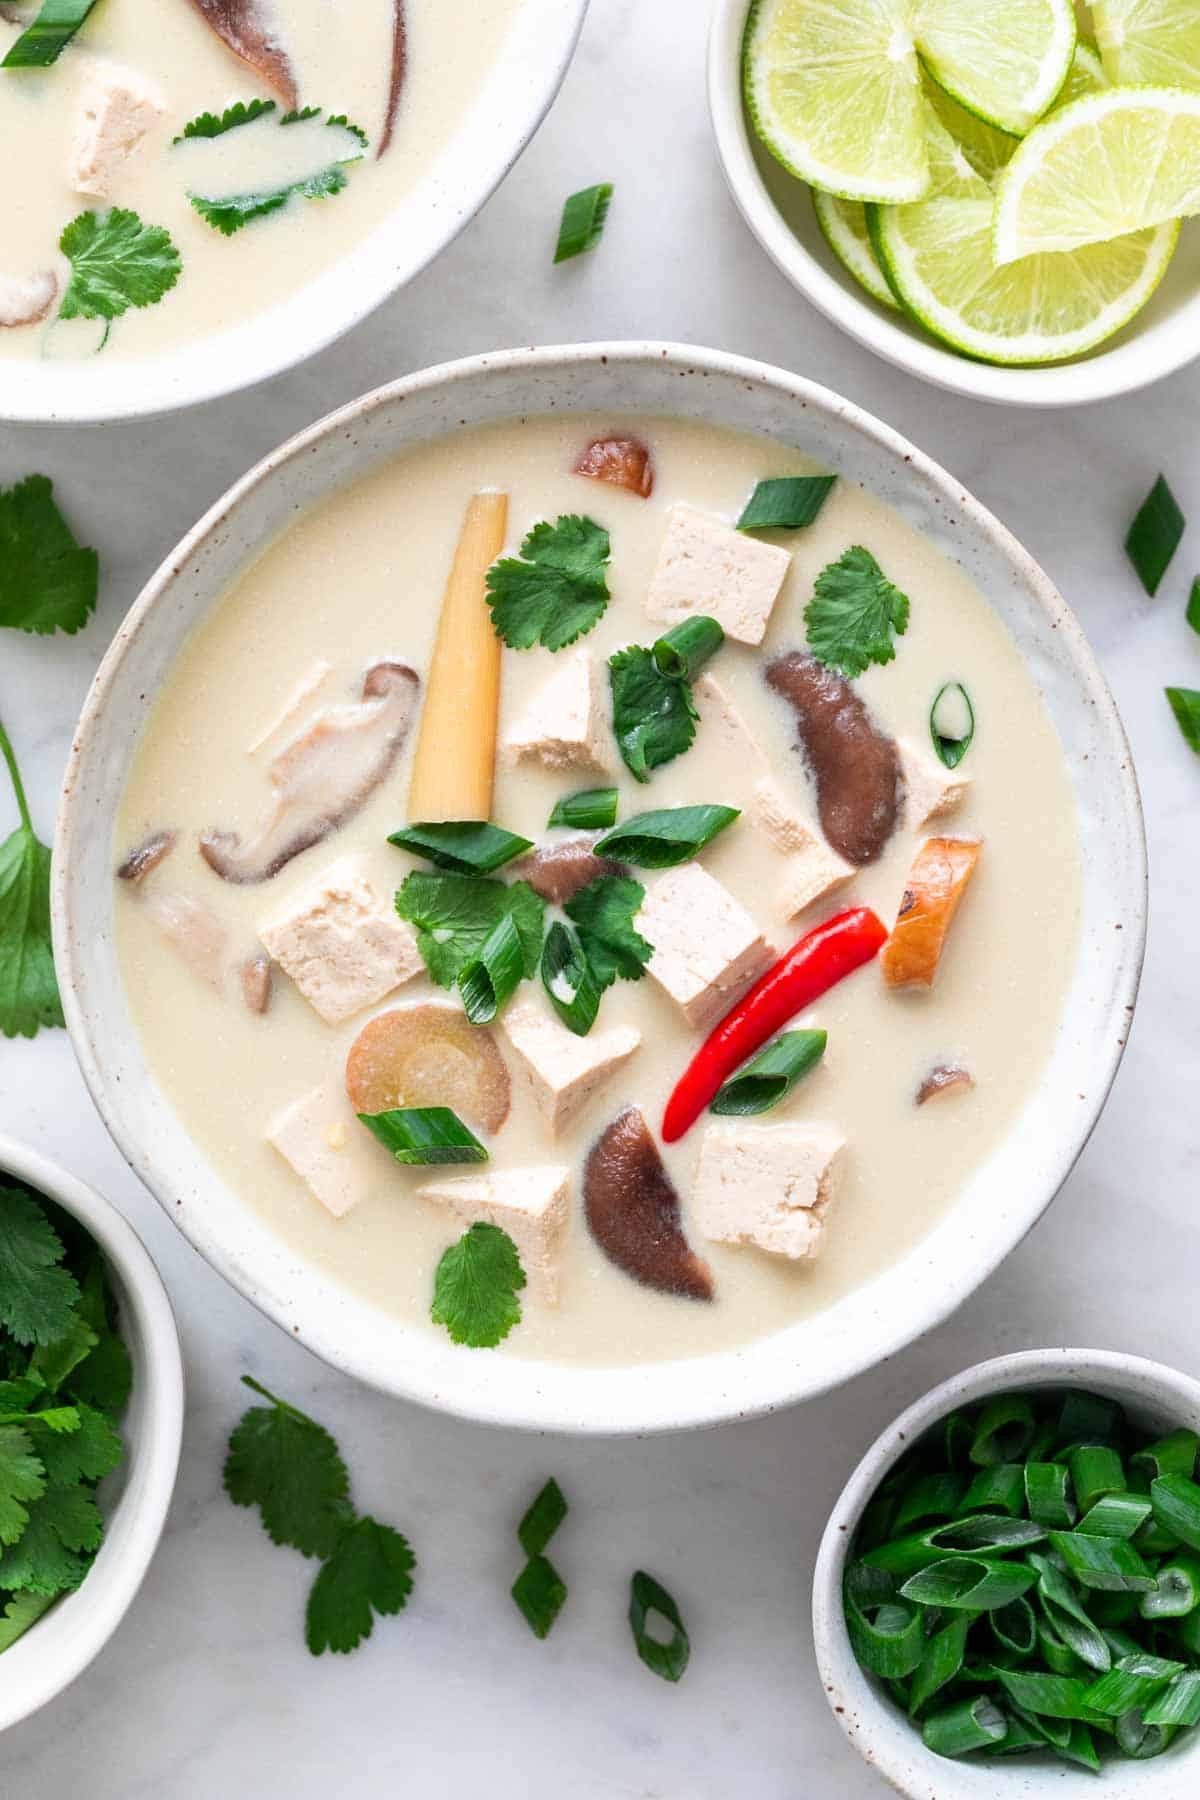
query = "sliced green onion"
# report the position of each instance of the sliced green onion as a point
(1133, 1682)
(1178, 1703)
(785, 502)
(668, 1659)
(1178, 1590)
(887, 1637)
(998, 1489)
(952, 723)
(493, 976)
(1152, 1540)
(466, 848)
(422, 1135)
(983, 1532)
(1048, 1495)
(1088, 1419)
(1185, 704)
(540, 1592)
(940, 1662)
(1173, 1455)
(934, 1496)
(1020, 1738)
(583, 219)
(1055, 1653)
(543, 1519)
(1116, 1515)
(957, 1436)
(1095, 1471)
(1079, 1748)
(1015, 1628)
(567, 977)
(661, 840)
(1187, 1634)
(770, 1076)
(972, 1582)
(1004, 1431)
(1103, 1562)
(1193, 606)
(682, 652)
(594, 809)
(1050, 1696)
(43, 42)
(1139, 1739)
(971, 1725)
(1119, 1641)
(1176, 1502)
(1155, 535)
(1057, 1599)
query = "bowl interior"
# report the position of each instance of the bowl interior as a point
(495, 129)
(1006, 1195)
(778, 209)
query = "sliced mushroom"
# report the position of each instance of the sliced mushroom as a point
(193, 930)
(324, 777)
(633, 1211)
(429, 1055)
(558, 871)
(855, 766)
(399, 70)
(943, 1081)
(256, 980)
(244, 27)
(145, 857)
(622, 462)
(25, 299)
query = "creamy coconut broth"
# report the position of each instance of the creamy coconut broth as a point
(142, 70)
(359, 582)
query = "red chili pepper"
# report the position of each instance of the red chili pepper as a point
(822, 958)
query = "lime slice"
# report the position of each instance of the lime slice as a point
(990, 150)
(1149, 43)
(1003, 59)
(938, 256)
(844, 223)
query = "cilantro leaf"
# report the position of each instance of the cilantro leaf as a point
(228, 213)
(369, 1572)
(47, 1556)
(288, 1466)
(22, 1478)
(22, 1611)
(213, 125)
(48, 582)
(556, 590)
(37, 1298)
(54, 1361)
(654, 715)
(476, 1286)
(603, 913)
(87, 1454)
(854, 612)
(116, 262)
(454, 915)
(105, 1377)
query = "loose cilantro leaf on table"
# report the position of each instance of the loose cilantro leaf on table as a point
(288, 1466)
(369, 1572)
(556, 591)
(29, 996)
(654, 715)
(454, 915)
(854, 614)
(603, 913)
(230, 212)
(116, 262)
(48, 582)
(476, 1286)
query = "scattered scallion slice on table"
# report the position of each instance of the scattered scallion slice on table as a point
(44, 41)
(952, 723)
(786, 502)
(682, 652)
(425, 1135)
(771, 1075)
(647, 1599)
(1185, 704)
(464, 848)
(593, 809)
(539, 1589)
(1155, 535)
(661, 840)
(584, 216)
(1193, 606)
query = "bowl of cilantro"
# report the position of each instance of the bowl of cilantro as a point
(91, 1418)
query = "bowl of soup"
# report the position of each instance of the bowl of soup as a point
(213, 190)
(600, 888)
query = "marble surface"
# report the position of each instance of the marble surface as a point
(207, 1688)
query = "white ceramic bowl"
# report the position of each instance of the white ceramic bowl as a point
(1003, 1199)
(1154, 1396)
(136, 1496)
(778, 209)
(500, 121)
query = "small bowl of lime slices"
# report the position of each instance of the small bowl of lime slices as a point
(992, 196)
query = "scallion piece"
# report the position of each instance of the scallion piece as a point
(43, 42)
(1095, 1471)
(957, 1436)
(941, 1661)
(1187, 1635)
(1049, 1696)
(682, 652)
(647, 1597)
(1048, 1496)
(1015, 1628)
(1178, 1703)
(1064, 1612)
(1004, 1430)
(661, 840)
(542, 1520)
(972, 1582)
(952, 723)
(1173, 1455)
(1055, 1653)
(888, 1636)
(1079, 1748)
(933, 1496)
(540, 1592)
(1155, 535)
(970, 1725)
(567, 977)
(1116, 1515)
(1185, 704)
(1087, 1419)
(785, 502)
(583, 219)
(1103, 1562)
(422, 1135)
(1178, 1590)
(1176, 1502)
(1020, 1738)
(1132, 1682)
(1139, 1739)
(466, 848)
(1193, 606)
(998, 1489)
(595, 809)
(770, 1076)
(492, 977)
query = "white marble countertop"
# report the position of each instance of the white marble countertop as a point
(207, 1688)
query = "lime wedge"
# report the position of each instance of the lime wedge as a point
(1149, 43)
(1111, 163)
(844, 223)
(1003, 59)
(937, 255)
(990, 150)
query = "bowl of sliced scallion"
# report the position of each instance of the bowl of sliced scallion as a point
(1007, 1596)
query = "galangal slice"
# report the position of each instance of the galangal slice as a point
(935, 887)
(429, 1054)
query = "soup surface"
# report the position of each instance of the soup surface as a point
(359, 581)
(96, 130)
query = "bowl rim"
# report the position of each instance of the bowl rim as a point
(745, 1388)
(521, 85)
(853, 1697)
(112, 1584)
(1104, 375)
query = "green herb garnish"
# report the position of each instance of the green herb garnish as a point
(369, 1572)
(543, 1519)
(583, 219)
(603, 912)
(1155, 535)
(952, 723)
(594, 809)
(43, 42)
(567, 977)
(464, 849)
(491, 978)
(648, 1598)
(116, 263)
(48, 582)
(1185, 704)
(539, 1589)
(661, 840)
(654, 715)
(29, 997)
(421, 1136)
(556, 590)
(230, 212)
(855, 614)
(1193, 606)
(771, 1075)
(454, 916)
(787, 503)
(682, 652)
(476, 1286)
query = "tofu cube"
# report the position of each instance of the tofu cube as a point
(565, 724)
(768, 1185)
(705, 566)
(811, 868)
(293, 709)
(314, 1135)
(531, 1205)
(723, 726)
(707, 948)
(932, 790)
(117, 107)
(565, 1071)
(341, 944)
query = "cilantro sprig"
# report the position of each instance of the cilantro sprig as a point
(48, 582)
(228, 213)
(29, 997)
(556, 590)
(654, 716)
(603, 913)
(116, 263)
(855, 614)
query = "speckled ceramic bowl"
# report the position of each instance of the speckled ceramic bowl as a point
(1004, 1197)
(1154, 1396)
